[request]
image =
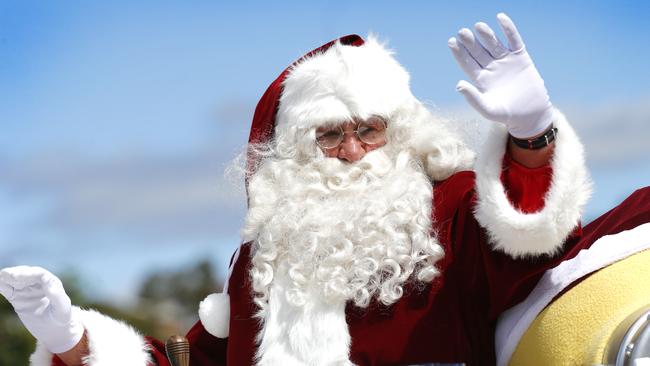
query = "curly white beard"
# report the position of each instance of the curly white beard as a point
(340, 231)
(325, 232)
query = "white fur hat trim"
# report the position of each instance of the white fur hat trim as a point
(343, 82)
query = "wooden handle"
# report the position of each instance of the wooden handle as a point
(178, 350)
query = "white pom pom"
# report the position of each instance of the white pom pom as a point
(214, 313)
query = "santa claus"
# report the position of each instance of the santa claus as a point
(374, 235)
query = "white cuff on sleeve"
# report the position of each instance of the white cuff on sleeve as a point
(110, 342)
(523, 235)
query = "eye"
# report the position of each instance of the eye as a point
(369, 128)
(372, 125)
(328, 137)
(372, 131)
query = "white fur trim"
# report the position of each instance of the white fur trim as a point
(41, 356)
(110, 342)
(315, 333)
(543, 232)
(214, 313)
(514, 322)
(342, 82)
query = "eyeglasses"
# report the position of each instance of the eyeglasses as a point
(371, 131)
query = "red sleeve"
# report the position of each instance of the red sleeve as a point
(524, 186)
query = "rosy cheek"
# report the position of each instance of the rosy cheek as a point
(331, 153)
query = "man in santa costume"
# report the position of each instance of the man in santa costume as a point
(374, 236)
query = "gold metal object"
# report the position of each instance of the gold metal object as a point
(178, 350)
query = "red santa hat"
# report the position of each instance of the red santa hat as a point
(264, 118)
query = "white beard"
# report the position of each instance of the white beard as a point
(327, 232)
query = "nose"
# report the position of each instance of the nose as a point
(351, 148)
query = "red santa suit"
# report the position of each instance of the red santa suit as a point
(502, 226)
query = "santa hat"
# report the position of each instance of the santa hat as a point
(344, 78)
(264, 118)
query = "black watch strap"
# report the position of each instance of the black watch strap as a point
(538, 142)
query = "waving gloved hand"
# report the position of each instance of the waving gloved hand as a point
(505, 85)
(42, 305)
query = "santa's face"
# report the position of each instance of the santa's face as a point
(352, 140)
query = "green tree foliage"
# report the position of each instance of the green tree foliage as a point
(172, 298)
(185, 286)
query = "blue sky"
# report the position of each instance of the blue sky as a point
(118, 118)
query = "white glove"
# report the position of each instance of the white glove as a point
(505, 85)
(42, 305)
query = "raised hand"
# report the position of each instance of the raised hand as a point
(42, 305)
(504, 83)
